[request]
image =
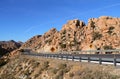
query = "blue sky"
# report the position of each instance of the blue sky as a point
(22, 19)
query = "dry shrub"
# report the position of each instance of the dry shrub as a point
(3, 62)
(94, 73)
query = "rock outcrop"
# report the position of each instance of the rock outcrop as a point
(8, 46)
(99, 33)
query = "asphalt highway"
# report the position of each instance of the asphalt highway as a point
(93, 58)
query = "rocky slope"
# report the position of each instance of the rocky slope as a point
(8, 46)
(99, 33)
(25, 67)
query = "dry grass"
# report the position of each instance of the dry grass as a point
(42, 68)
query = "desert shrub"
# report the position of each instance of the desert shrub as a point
(107, 47)
(64, 32)
(45, 65)
(27, 72)
(71, 74)
(96, 35)
(62, 66)
(67, 69)
(36, 75)
(54, 71)
(58, 77)
(36, 64)
(3, 62)
(21, 50)
(48, 41)
(60, 72)
(90, 73)
(7, 76)
(110, 30)
(63, 45)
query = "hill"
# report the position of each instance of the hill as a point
(99, 33)
(8, 46)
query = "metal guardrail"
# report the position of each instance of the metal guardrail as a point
(85, 51)
(110, 58)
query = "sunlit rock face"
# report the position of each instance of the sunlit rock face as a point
(75, 35)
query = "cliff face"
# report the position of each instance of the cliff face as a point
(8, 46)
(99, 33)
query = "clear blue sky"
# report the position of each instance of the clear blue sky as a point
(22, 19)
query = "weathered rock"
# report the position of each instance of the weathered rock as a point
(8, 46)
(75, 35)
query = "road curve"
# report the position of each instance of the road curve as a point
(98, 58)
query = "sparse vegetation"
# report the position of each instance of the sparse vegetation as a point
(96, 36)
(48, 41)
(45, 65)
(63, 45)
(110, 30)
(71, 74)
(28, 68)
(3, 62)
(21, 50)
(108, 47)
(64, 32)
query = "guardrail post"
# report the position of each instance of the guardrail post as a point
(57, 56)
(100, 61)
(72, 58)
(50, 56)
(114, 61)
(88, 59)
(53, 56)
(66, 57)
(80, 59)
(61, 57)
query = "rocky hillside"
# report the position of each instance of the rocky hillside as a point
(25, 67)
(99, 33)
(8, 46)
